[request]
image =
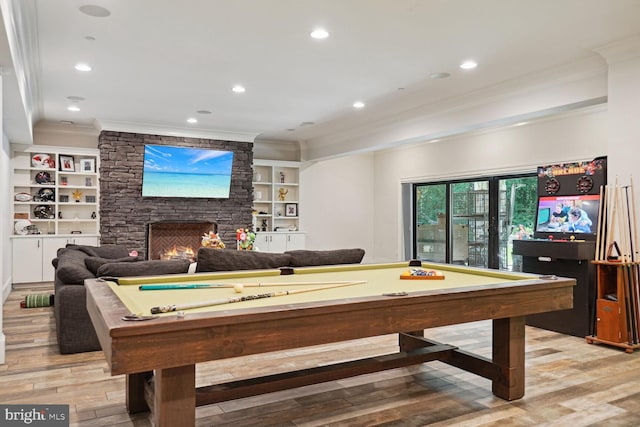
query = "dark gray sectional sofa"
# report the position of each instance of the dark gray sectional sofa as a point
(76, 263)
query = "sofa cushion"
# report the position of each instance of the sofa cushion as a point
(210, 259)
(143, 268)
(70, 267)
(106, 251)
(94, 262)
(305, 258)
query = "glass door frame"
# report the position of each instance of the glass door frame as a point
(493, 240)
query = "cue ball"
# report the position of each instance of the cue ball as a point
(238, 288)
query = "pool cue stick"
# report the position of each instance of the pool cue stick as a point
(612, 217)
(628, 286)
(626, 232)
(623, 227)
(605, 224)
(188, 306)
(635, 268)
(630, 232)
(169, 286)
(600, 251)
(600, 222)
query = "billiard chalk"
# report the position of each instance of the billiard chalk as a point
(180, 314)
(285, 271)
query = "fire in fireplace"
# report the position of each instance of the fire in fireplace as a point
(176, 239)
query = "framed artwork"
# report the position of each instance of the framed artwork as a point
(87, 165)
(291, 209)
(67, 164)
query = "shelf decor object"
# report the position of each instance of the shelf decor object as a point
(291, 209)
(67, 164)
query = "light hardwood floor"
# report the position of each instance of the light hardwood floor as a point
(569, 383)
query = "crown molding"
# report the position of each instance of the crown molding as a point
(620, 50)
(154, 129)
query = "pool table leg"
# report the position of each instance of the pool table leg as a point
(135, 392)
(174, 396)
(508, 356)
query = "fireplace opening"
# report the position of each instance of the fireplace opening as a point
(176, 239)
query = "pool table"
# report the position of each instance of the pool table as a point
(323, 305)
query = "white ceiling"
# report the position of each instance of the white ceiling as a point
(157, 62)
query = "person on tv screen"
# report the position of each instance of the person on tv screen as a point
(579, 222)
(559, 215)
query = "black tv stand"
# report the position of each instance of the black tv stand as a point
(566, 259)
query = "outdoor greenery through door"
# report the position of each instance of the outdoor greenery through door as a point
(473, 222)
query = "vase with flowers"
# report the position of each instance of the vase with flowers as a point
(245, 239)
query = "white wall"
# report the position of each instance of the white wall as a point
(5, 230)
(335, 203)
(574, 136)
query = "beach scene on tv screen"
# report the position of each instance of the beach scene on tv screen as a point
(186, 172)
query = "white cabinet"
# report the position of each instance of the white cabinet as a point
(295, 241)
(55, 191)
(27, 260)
(279, 242)
(32, 256)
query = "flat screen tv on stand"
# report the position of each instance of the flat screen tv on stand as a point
(561, 217)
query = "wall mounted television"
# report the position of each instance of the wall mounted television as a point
(171, 171)
(560, 217)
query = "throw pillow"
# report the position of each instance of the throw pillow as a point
(307, 258)
(94, 262)
(143, 268)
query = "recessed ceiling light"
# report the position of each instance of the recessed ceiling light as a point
(75, 98)
(66, 122)
(238, 89)
(521, 124)
(468, 65)
(192, 120)
(319, 34)
(358, 104)
(73, 108)
(95, 11)
(81, 66)
(439, 75)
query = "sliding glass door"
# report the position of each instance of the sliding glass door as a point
(473, 222)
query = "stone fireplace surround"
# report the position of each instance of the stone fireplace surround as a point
(125, 214)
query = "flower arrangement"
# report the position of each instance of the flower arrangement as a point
(245, 239)
(212, 240)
